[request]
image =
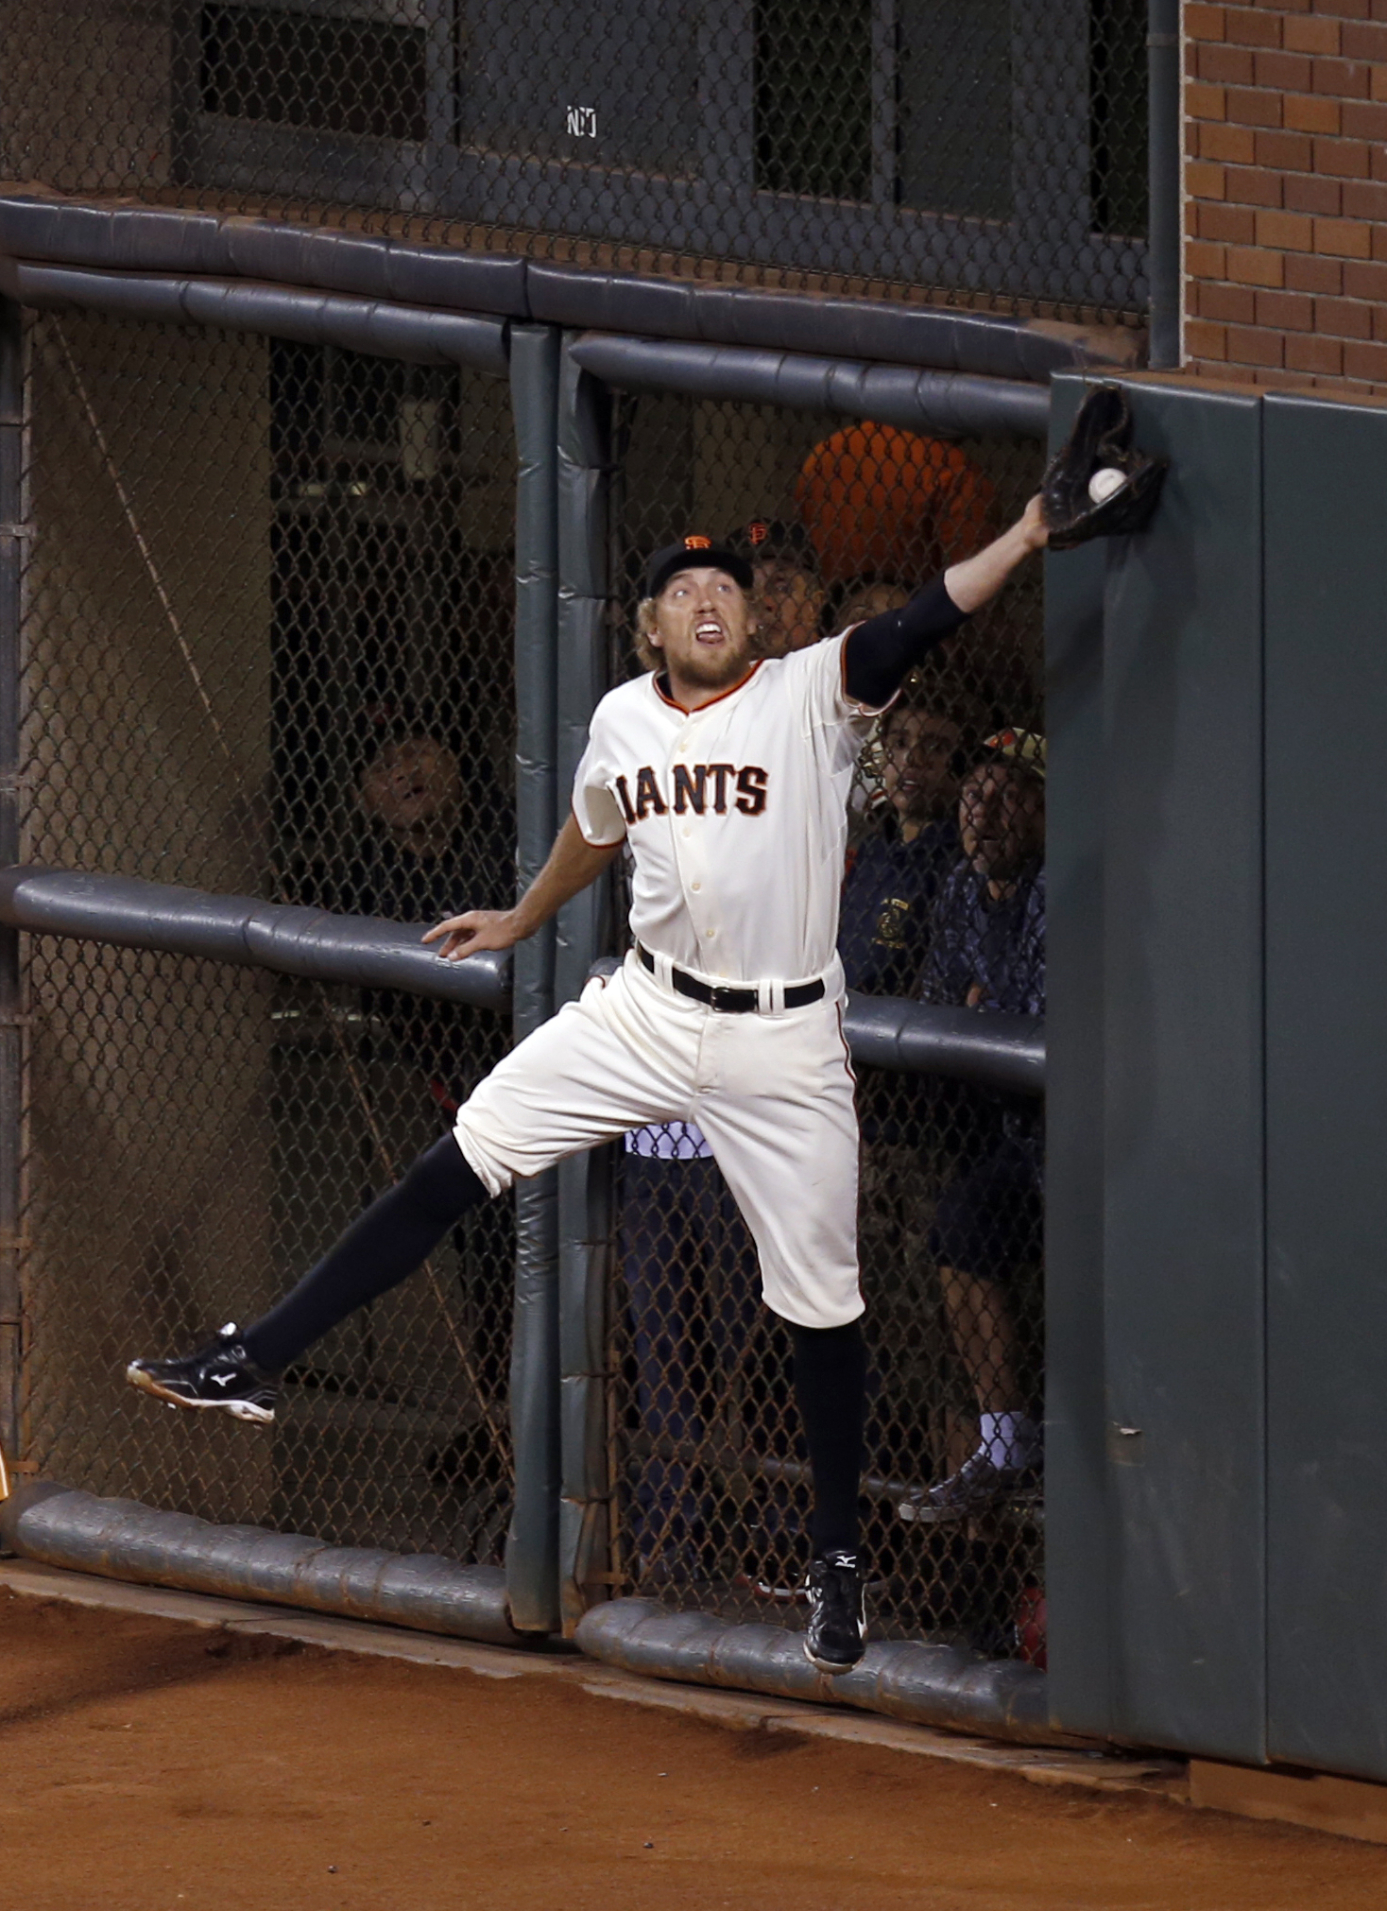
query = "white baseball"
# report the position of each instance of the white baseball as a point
(1105, 483)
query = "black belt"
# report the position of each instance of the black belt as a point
(729, 1001)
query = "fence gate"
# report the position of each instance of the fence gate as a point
(267, 649)
(685, 1476)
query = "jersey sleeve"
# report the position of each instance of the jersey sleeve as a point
(595, 808)
(823, 684)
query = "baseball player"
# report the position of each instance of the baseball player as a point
(729, 776)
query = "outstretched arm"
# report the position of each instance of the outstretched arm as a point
(977, 580)
(573, 863)
(880, 653)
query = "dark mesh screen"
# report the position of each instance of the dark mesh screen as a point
(986, 151)
(268, 650)
(269, 626)
(297, 69)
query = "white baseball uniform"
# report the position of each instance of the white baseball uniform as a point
(737, 819)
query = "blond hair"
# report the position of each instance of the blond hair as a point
(646, 653)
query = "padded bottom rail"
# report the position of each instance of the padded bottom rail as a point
(936, 1685)
(120, 1539)
(943, 1686)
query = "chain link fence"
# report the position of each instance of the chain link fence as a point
(983, 150)
(705, 1453)
(267, 650)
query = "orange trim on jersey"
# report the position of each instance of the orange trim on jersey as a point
(731, 691)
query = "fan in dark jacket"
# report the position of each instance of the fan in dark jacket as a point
(987, 952)
(897, 872)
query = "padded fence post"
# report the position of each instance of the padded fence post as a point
(13, 531)
(584, 438)
(531, 1544)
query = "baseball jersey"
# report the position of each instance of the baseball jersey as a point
(736, 814)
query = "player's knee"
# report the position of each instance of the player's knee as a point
(440, 1185)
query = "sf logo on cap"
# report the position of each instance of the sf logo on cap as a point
(698, 544)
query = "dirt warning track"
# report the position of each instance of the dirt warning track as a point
(152, 1765)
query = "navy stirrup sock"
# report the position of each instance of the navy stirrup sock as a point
(831, 1389)
(383, 1247)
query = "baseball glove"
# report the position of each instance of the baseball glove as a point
(1097, 485)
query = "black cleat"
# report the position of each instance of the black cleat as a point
(978, 1485)
(221, 1374)
(836, 1636)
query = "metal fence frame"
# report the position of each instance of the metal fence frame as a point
(39, 227)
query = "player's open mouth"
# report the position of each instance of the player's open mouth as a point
(709, 632)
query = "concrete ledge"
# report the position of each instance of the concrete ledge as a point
(1320, 1801)
(121, 1539)
(942, 1686)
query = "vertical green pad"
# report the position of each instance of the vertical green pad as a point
(1176, 1007)
(1326, 480)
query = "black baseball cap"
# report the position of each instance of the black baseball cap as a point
(768, 540)
(1023, 748)
(695, 553)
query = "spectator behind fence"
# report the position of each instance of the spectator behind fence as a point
(789, 593)
(864, 597)
(423, 846)
(875, 499)
(411, 797)
(987, 952)
(896, 872)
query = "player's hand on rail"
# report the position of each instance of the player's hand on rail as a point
(573, 863)
(474, 931)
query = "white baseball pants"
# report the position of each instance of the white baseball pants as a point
(773, 1093)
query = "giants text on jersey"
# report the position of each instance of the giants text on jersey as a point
(736, 814)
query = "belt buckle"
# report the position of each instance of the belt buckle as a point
(723, 998)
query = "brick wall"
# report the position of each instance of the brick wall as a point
(1286, 191)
